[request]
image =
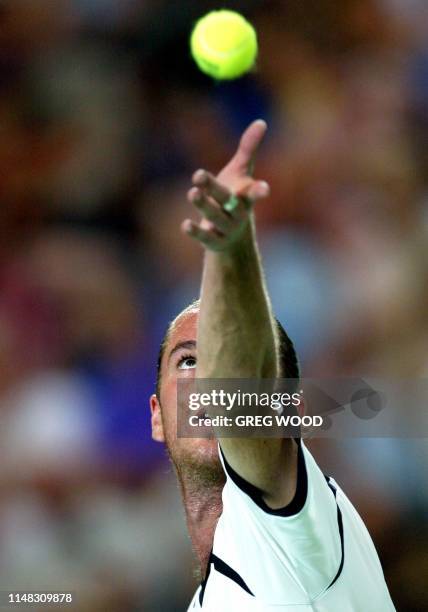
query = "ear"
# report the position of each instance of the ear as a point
(157, 425)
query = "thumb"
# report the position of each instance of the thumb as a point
(254, 190)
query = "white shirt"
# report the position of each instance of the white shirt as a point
(313, 555)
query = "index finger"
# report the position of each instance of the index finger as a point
(250, 141)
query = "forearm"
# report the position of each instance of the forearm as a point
(236, 330)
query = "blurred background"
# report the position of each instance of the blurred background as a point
(103, 119)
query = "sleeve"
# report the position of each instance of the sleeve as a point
(292, 554)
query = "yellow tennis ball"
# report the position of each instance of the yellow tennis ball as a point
(224, 44)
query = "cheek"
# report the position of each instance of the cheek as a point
(169, 387)
(168, 402)
(168, 397)
(189, 373)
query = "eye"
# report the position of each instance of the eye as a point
(186, 362)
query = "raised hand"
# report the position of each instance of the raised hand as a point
(225, 202)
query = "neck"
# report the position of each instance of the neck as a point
(201, 491)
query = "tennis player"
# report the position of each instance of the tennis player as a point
(269, 530)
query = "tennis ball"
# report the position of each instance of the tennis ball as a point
(224, 44)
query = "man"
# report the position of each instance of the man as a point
(268, 529)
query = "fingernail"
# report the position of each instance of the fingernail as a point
(187, 226)
(199, 176)
(264, 188)
(197, 196)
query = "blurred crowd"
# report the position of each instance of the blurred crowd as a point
(103, 119)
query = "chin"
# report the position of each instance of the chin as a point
(196, 453)
(203, 450)
(207, 450)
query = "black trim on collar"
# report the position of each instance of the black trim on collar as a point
(222, 568)
(295, 505)
(340, 527)
(204, 581)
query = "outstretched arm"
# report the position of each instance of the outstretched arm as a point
(236, 330)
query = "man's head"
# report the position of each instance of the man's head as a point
(176, 360)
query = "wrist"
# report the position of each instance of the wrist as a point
(240, 259)
(244, 243)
